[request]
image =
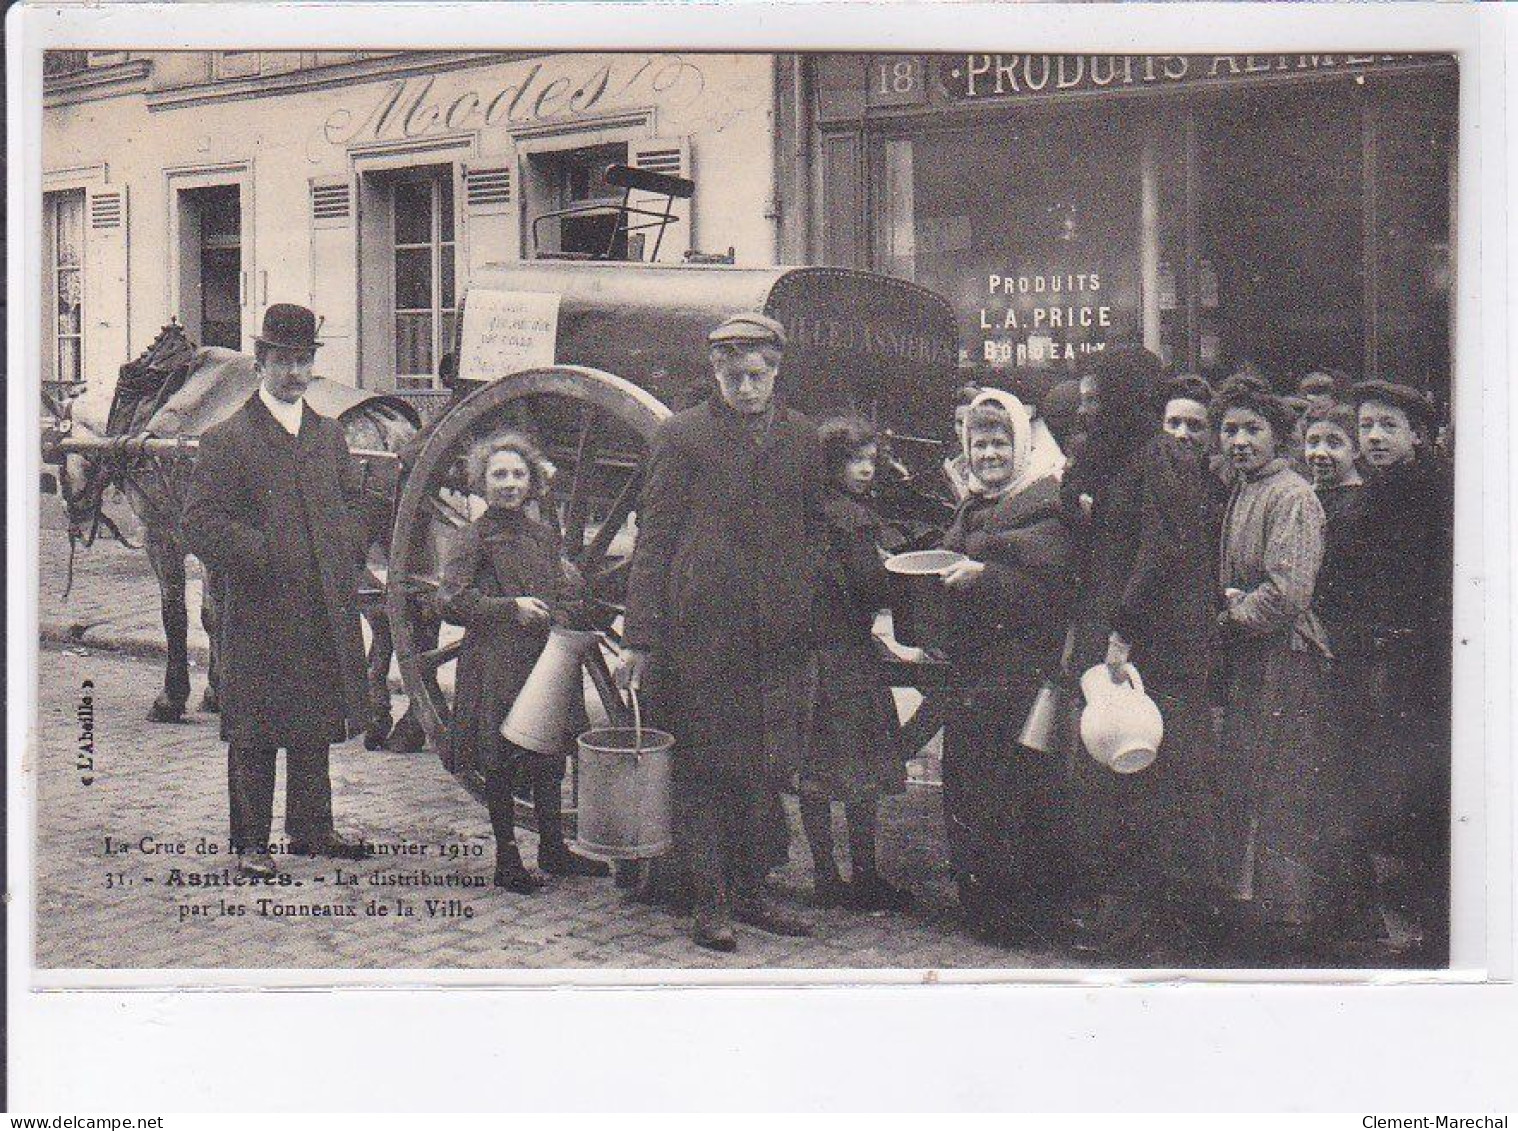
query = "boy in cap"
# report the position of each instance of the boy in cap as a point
(1406, 591)
(730, 534)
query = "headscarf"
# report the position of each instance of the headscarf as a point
(1035, 454)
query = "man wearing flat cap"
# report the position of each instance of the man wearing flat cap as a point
(1404, 590)
(730, 536)
(273, 506)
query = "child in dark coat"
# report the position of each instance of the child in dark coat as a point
(1405, 587)
(506, 581)
(853, 756)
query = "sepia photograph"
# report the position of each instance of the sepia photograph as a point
(690, 510)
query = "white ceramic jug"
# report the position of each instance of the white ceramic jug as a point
(1120, 726)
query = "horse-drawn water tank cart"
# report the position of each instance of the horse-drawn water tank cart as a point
(589, 357)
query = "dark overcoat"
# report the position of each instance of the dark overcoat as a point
(1338, 597)
(855, 752)
(1405, 576)
(1148, 569)
(1401, 584)
(730, 536)
(1150, 574)
(279, 517)
(499, 557)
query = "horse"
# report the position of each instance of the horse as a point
(175, 389)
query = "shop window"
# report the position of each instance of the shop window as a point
(424, 294)
(1030, 228)
(1281, 234)
(63, 337)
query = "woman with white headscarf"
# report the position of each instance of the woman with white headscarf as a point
(1005, 813)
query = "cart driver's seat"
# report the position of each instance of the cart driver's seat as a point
(632, 221)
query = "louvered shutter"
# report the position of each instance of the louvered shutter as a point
(334, 277)
(107, 283)
(490, 216)
(663, 155)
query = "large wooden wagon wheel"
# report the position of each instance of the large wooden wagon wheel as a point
(596, 428)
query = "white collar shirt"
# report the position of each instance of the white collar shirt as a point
(288, 413)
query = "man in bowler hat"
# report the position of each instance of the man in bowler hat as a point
(273, 507)
(730, 536)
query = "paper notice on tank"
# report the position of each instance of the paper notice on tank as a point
(506, 332)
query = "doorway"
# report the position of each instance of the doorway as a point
(211, 266)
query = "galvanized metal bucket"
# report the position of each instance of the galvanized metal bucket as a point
(624, 781)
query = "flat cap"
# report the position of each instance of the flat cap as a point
(750, 326)
(1414, 402)
(1317, 384)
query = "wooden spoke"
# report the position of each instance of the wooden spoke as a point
(608, 588)
(606, 688)
(420, 590)
(585, 463)
(434, 658)
(616, 515)
(614, 573)
(447, 513)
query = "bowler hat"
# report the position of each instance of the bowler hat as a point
(288, 326)
(1414, 402)
(750, 327)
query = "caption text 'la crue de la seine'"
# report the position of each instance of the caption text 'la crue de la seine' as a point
(207, 888)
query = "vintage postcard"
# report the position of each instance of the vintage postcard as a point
(665, 512)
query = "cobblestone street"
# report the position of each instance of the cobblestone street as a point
(168, 783)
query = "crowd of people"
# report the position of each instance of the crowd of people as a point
(1279, 569)
(1276, 570)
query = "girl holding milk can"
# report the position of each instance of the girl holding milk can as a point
(506, 582)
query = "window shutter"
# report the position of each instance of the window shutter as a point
(491, 216)
(663, 155)
(107, 283)
(334, 277)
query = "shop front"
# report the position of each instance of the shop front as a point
(203, 186)
(1278, 212)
